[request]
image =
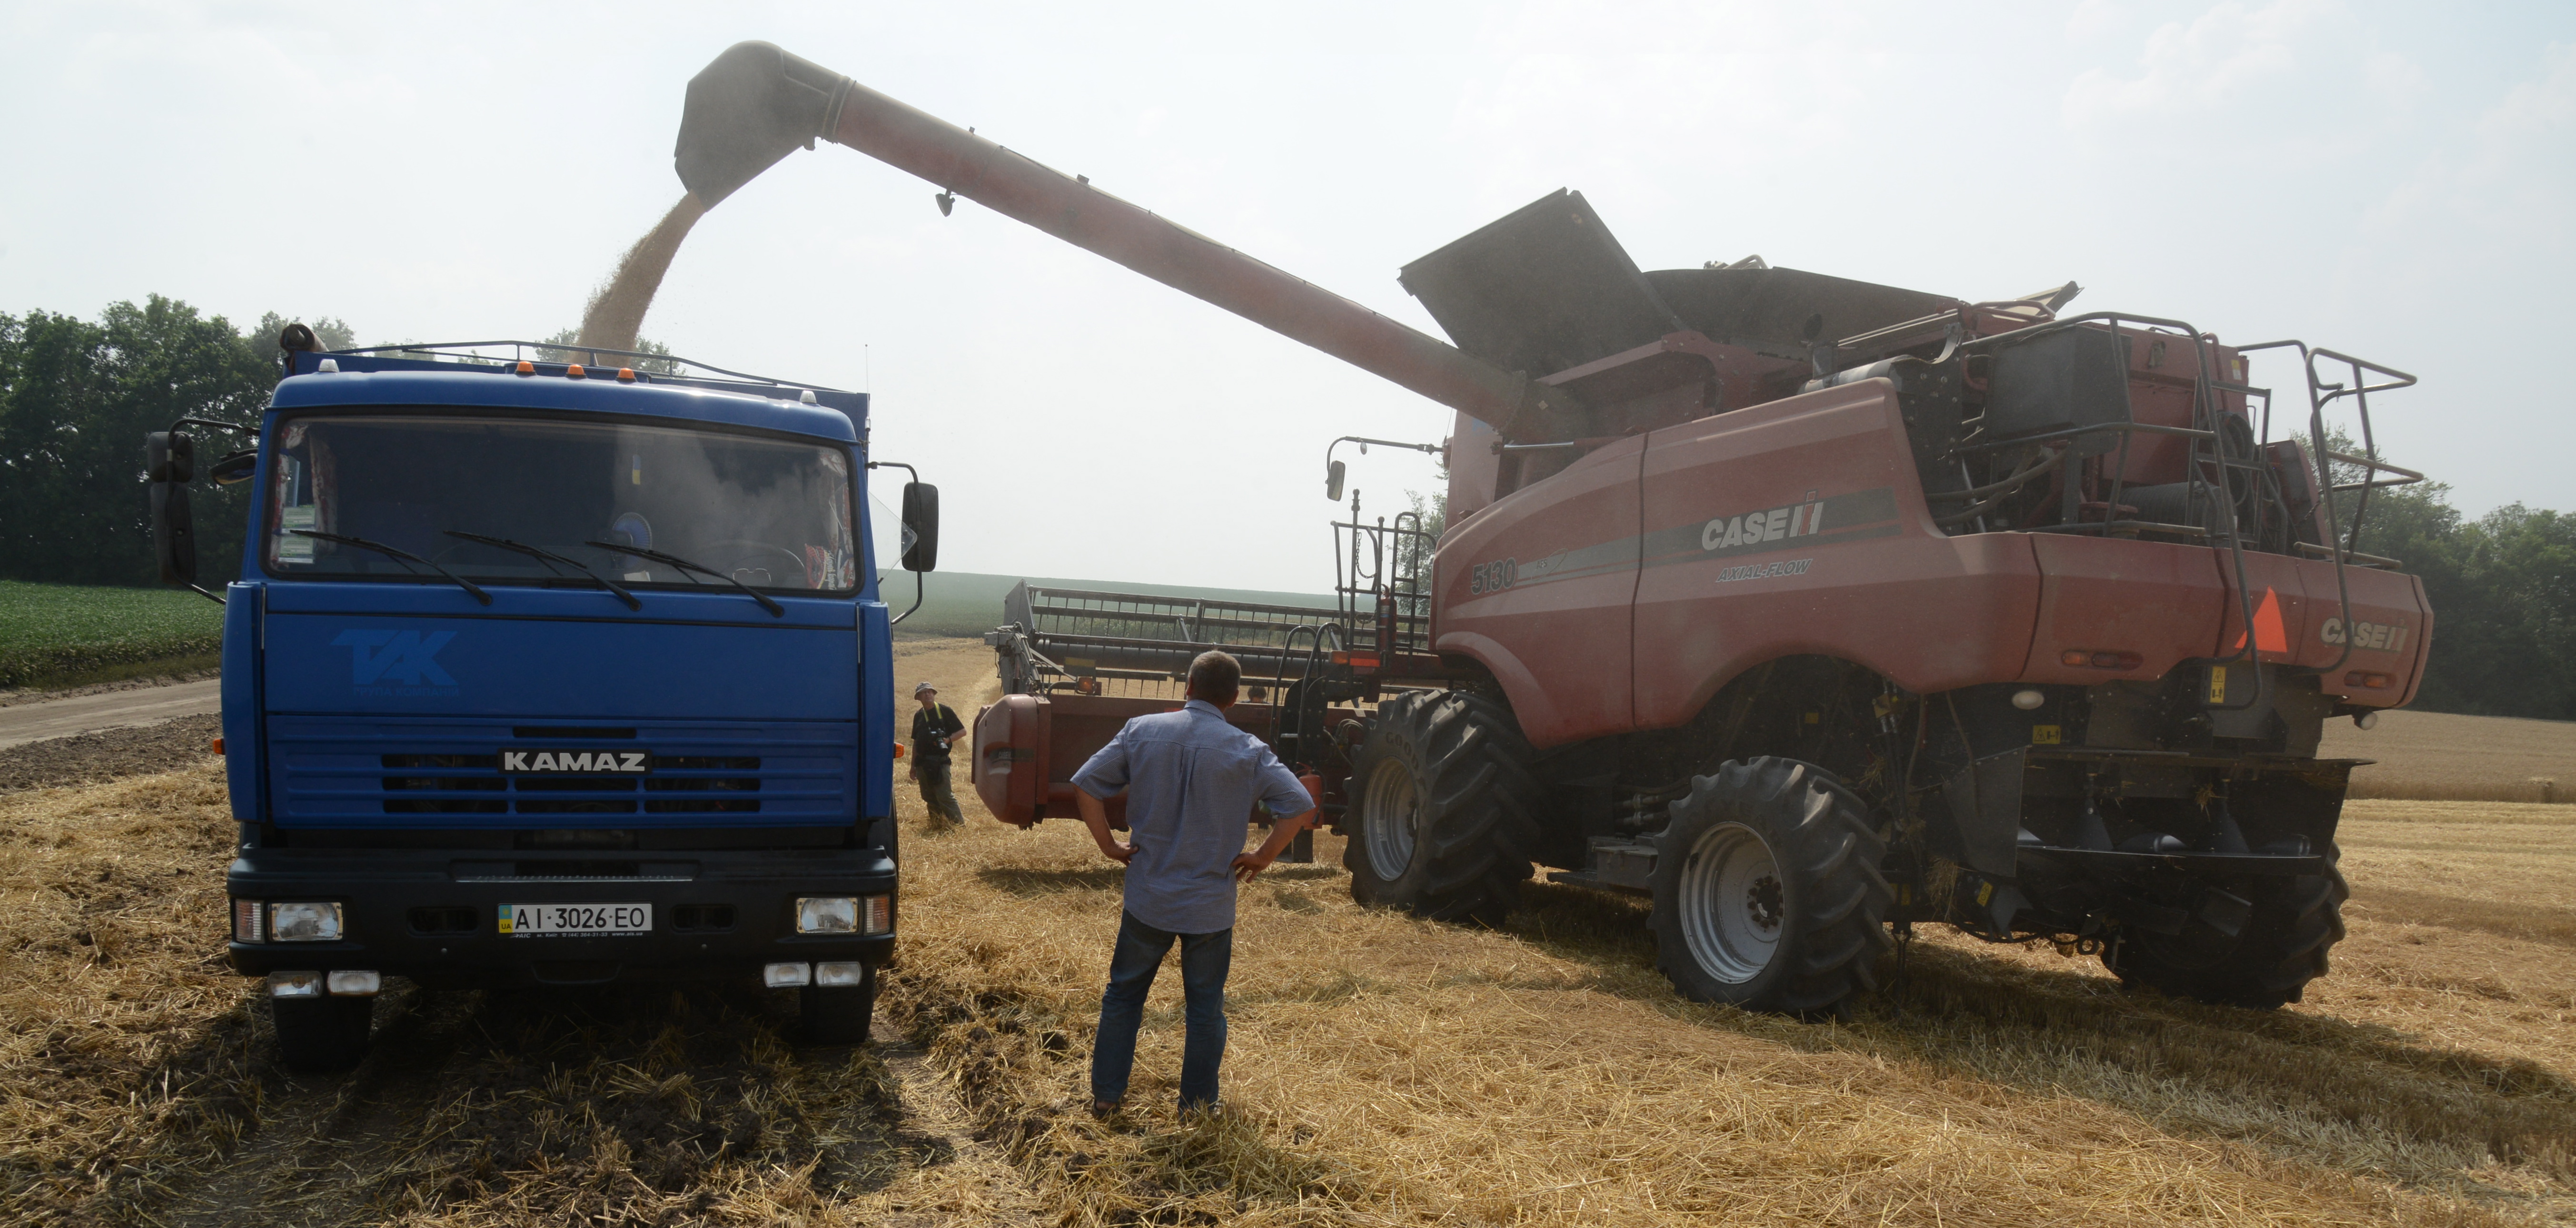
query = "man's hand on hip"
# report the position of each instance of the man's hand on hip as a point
(1248, 865)
(1096, 817)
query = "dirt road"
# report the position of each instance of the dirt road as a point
(107, 709)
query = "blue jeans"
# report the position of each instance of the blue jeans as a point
(1205, 959)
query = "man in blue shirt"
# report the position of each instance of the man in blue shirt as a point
(1191, 780)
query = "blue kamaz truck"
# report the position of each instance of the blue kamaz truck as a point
(551, 673)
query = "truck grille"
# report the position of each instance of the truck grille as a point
(692, 788)
(327, 776)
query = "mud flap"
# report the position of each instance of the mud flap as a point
(1985, 813)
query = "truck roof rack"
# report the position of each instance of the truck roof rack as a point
(504, 355)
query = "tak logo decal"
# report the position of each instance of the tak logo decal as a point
(407, 657)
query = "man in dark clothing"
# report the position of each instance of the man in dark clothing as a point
(932, 727)
(1190, 779)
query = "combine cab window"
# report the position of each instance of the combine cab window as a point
(773, 514)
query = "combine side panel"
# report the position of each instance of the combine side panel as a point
(1537, 588)
(2160, 600)
(2390, 630)
(1799, 527)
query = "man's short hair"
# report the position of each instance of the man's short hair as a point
(1214, 676)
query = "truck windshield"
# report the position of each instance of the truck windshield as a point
(771, 513)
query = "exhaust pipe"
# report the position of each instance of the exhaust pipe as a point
(755, 104)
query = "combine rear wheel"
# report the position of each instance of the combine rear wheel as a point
(1767, 889)
(1444, 810)
(2269, 962)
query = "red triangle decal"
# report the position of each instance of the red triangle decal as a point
(2268, 633)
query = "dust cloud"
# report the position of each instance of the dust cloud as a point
(616, 311)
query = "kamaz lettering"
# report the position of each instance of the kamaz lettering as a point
(632, 761)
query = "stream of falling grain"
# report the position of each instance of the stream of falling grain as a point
(616, 311)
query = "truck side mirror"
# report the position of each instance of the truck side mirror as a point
(234, 468)
(920, 526)
(169, 461)
(1333, 482)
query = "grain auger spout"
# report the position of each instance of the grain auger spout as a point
(756, 103)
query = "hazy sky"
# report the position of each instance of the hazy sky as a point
(2392, 180)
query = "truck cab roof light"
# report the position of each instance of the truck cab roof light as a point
(626, 375)
(328, 366)
(574, 371)
(526, 368)
(808, 398)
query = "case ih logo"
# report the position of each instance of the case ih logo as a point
(2388, 637)
(407, 657)
(1755, 528)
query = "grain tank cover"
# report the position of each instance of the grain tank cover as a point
(1541, 290)
(1781, 312)
(1548, 288)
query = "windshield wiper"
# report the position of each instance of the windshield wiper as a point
(405, 557)
(550, 558)
(775, 610)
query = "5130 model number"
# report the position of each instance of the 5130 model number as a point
(1494, 577)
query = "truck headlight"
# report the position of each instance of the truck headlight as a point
(304, 923)
(880, 915)
(827, 914)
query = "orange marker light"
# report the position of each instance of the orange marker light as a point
(573, 372)
(898, 750)
(526, 367)
(626, 375)
(217, 746)
(2099, 660)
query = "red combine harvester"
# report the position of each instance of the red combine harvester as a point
(1802, 605)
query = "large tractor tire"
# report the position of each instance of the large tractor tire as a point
(2269, 962)
(1444, 809)
(1767, 888)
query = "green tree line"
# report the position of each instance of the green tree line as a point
(76, 397)
(2503, 592)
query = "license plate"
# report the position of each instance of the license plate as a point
(555, 920)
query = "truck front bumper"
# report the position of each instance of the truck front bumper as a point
(433, 915)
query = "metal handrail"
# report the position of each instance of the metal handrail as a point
(2205, 415)
(2318, 399)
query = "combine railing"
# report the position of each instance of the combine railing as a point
(1382, 576)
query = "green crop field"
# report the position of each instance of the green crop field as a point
(60, 635)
